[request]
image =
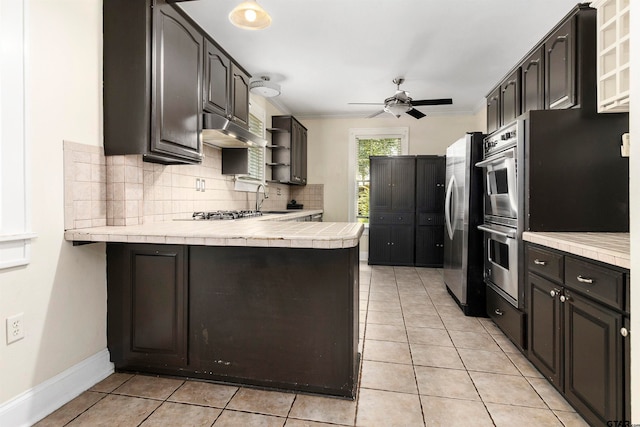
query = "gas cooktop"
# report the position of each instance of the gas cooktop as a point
(224, 215)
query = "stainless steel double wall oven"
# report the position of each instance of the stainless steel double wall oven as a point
(501, 211)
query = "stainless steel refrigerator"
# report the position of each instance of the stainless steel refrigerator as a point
(463, 249)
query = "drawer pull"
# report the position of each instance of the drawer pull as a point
(584, 279)
(498, 312)
(539, 262)
(624, 332)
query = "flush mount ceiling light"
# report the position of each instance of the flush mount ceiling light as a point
(264, 87)
(249, 15)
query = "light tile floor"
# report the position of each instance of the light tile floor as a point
(424, 364)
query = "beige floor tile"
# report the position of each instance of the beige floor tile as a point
(451, 311)
(506, 389)
(323, 409)
(262, 401)
(117, 411)
(71, 410)
(378, 408)
(388, 376)
(386, 332)
(390, 295)
(445, 412)
(385, 317)
(149, 386)
(487, 361)
(363, 316)
(433, 336)
(235, 419)
(524, 366)
(387, 351)
(202, 393)
(423, 321)
(473, 339)
(436, 356)
(468, 324)
(384, 306)
(306, 423)
(412, 307)
(179, 414)
(550, 395)
(111, 383)
(571, 419)
(509, 416)
(444, 382)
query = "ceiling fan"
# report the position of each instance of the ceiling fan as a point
(401, 102)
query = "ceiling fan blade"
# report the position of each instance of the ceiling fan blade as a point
(365, 103)
(375, 114)
(443, 101)
(415, 113)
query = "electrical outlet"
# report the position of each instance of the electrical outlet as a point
(202, 186)
(197, 184)
(15, 328)
(278, 192)
(625, 148)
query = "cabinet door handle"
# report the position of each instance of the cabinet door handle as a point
(584, 279)
(539, 262)
(554, 293)
(624, 332)
(564, 298)
(498, 312)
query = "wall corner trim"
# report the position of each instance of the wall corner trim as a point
(36, 403)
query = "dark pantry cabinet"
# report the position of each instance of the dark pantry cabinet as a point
(153, 67)
(406, 210)
(577, 317)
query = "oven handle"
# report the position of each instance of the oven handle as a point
(510, 234)
(497, 159)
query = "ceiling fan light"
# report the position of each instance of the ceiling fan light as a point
(249, 15)
(396, 108)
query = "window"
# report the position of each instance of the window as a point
(371, 147)
(256, 154)
(15, 235)
(362, 144)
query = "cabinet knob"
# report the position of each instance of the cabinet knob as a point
(539, 262)
(498, 312)
(564, 298)
(624, 332)
(584, 279)
(554, 293)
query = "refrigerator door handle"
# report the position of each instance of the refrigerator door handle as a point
(447, 206)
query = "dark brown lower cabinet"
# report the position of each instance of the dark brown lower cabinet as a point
(147, 305)
(576, 331)
(285, 318)
(429, 246)
(391, 244)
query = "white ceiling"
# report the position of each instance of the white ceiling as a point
(327, 53)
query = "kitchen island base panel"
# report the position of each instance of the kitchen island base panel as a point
(284, 318)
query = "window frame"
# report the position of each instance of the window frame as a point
(242, 181)
(15, 201)
(368, 133)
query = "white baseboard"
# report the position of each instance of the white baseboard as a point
(31, 406)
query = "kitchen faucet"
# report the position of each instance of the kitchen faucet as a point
(266, 196)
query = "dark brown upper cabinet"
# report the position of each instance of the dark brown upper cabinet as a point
(239, 96)
(153, 62)
(289, 150)
(226, 85)
(559, 67)
(532, 81)
(510, 98)
(493, 110)
(558, 73)
(217, 73)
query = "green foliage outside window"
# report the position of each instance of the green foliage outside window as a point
(366, 148)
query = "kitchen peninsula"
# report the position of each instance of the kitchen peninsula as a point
(261, 301)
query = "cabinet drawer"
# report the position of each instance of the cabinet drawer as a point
(430, 219)
(600, 283)
(545, 263)
(391, 218)
(508, 318)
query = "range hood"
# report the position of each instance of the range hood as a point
(221, 132)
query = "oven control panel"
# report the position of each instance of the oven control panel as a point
(504, 138)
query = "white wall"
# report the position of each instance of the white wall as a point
(328, 145)
(62, 292)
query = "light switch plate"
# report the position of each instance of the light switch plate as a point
(625, 148)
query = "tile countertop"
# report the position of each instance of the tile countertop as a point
(611, 248)
(269, 230)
